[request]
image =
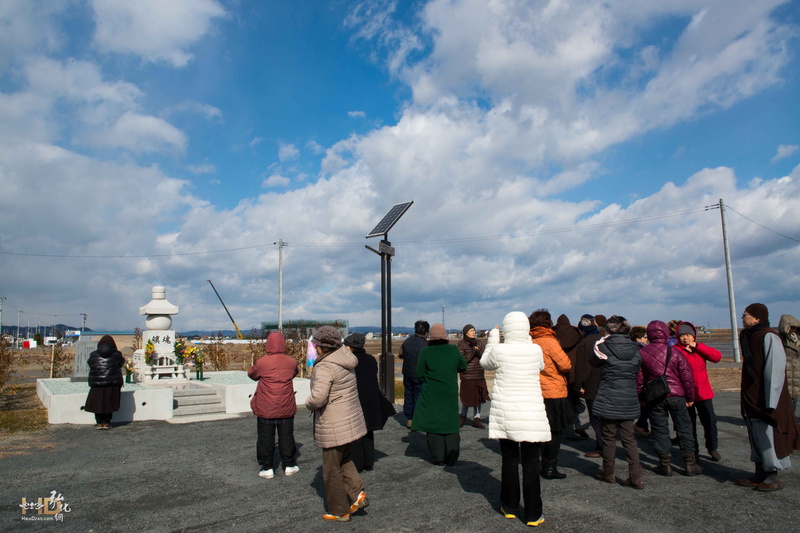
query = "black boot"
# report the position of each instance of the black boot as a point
(664, 467)
(549, 471)
(692, 468)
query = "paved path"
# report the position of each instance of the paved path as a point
(154, 476)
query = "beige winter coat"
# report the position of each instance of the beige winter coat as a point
(338, 418)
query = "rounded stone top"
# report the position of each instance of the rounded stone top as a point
(159, 304)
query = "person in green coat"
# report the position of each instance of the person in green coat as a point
(436, 413)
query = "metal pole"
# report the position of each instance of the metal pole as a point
(731, 301)
(388, 363)
(19, 311)
(383, 324)
(280, 285)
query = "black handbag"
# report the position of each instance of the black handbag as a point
(657, 388)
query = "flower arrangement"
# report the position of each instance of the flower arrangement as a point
(193, 354)
(150, 354)
(179, 349)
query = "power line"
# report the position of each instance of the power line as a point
(762, 225)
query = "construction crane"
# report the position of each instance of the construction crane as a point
(238, 333)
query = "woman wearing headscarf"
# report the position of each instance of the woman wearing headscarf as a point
(105, 382)
(338, 421)
(554, 389)
(438, 366)
(474, 391)
(517, 416)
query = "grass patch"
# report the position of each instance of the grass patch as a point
(21, 410)
(399, 390)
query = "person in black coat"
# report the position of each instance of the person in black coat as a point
(376, 408)
(105, 381)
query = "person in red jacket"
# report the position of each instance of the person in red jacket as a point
(697, 354)
(275, 406)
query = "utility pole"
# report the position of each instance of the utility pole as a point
(729, 274)
(19, 312)
(83, 327)
(280, 284)
(1, 314)
(445, 329)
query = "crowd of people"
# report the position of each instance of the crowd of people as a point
(634, 381)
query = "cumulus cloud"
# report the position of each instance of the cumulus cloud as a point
(287, 152)
(784, 151)
(141, 134)
(356, 114)
(276, 180)
(153, 29)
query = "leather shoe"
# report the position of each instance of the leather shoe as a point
(593, 455)
(769, 487)
(476, 423)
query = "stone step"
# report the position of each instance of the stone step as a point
(194, 391)
(198, 409)
(181, 401)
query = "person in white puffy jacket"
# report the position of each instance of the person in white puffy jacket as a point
(517, 416)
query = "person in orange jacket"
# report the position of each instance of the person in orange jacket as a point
(554, 389)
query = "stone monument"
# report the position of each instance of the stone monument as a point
(159, 331)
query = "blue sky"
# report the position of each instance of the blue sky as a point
(135, 135)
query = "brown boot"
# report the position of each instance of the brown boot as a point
(664, 467)
(635, 479)
(692, 468)
(476, 423)
(607, 474)
(461, 420)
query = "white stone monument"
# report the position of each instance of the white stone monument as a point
(159, 330)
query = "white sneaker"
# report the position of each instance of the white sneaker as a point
(267, 474)
(291, 470)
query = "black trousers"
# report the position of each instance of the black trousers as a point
(265, 446)
(660, 413)
(362, 451)
(704, 409)
(445, 448)
(528, 453)
(103, 418)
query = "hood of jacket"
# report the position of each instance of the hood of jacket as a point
(568, 335)
(787, 322)
(694, 329)
(341, 357)
(657, 332)
(540, 331)
(621, 346)
(275, 343)
(516, 328)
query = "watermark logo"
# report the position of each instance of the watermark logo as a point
(50, 509)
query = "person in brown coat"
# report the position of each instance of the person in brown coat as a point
(274, 406)
(568, 337)
(474, 391)
(554, 389)
(338, 421)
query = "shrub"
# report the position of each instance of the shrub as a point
(216, 355)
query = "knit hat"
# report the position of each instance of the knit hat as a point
(328, 338)
(600, 320)
(467, 328)
(355, 340)
(438, 332)
(618, 324)
(685, 329)
(758, 311)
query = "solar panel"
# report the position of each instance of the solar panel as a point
(389, 220)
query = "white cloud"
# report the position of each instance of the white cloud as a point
(141, 134)
(255, 142)
(356, 114)
(784, 151)
(205, 168)
(287, 152)
(276, 180)
(189, 106)
(153, 29)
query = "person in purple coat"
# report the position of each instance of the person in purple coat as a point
(675, 405)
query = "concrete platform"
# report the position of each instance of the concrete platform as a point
(155, 400)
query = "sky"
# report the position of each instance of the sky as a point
(560, 155)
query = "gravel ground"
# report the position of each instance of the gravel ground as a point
(155, 476)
